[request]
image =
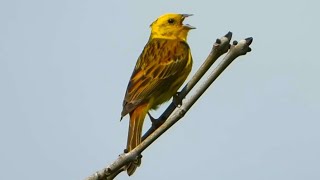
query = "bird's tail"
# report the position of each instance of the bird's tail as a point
(134, 135)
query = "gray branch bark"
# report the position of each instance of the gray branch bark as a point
(173, 114)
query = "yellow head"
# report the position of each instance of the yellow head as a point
(169, 26)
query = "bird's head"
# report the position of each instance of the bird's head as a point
(170, 26)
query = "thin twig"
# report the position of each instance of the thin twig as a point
(237, 49)
(220, 47)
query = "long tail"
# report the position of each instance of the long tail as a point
(134, 135)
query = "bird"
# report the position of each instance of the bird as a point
(160, 70)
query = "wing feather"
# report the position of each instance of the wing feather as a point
(161, 62)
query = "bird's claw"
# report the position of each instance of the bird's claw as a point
(153, 120)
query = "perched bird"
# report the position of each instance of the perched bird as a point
(161, 69)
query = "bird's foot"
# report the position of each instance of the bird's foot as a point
(152, 119)
(177, 101)
(155, 122)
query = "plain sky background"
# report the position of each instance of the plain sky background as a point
(65, 65)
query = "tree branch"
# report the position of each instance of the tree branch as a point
(172, 114)
(220, 47)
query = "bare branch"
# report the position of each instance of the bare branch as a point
(220, 47)
(236, 50)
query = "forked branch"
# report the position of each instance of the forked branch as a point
(172, 114)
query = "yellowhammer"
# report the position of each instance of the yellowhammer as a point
(161, 69)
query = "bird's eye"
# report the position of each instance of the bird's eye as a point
(171, 21)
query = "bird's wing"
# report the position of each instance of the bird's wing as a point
(160, 61)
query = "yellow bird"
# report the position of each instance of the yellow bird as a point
(161, 69)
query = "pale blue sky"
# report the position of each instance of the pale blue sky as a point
(64, 67)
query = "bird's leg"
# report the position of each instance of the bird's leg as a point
(177, 101)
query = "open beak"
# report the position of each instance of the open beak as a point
(188, 26)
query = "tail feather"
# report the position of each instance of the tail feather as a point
(134, 135)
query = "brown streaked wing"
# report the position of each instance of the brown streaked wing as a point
(160, 60)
